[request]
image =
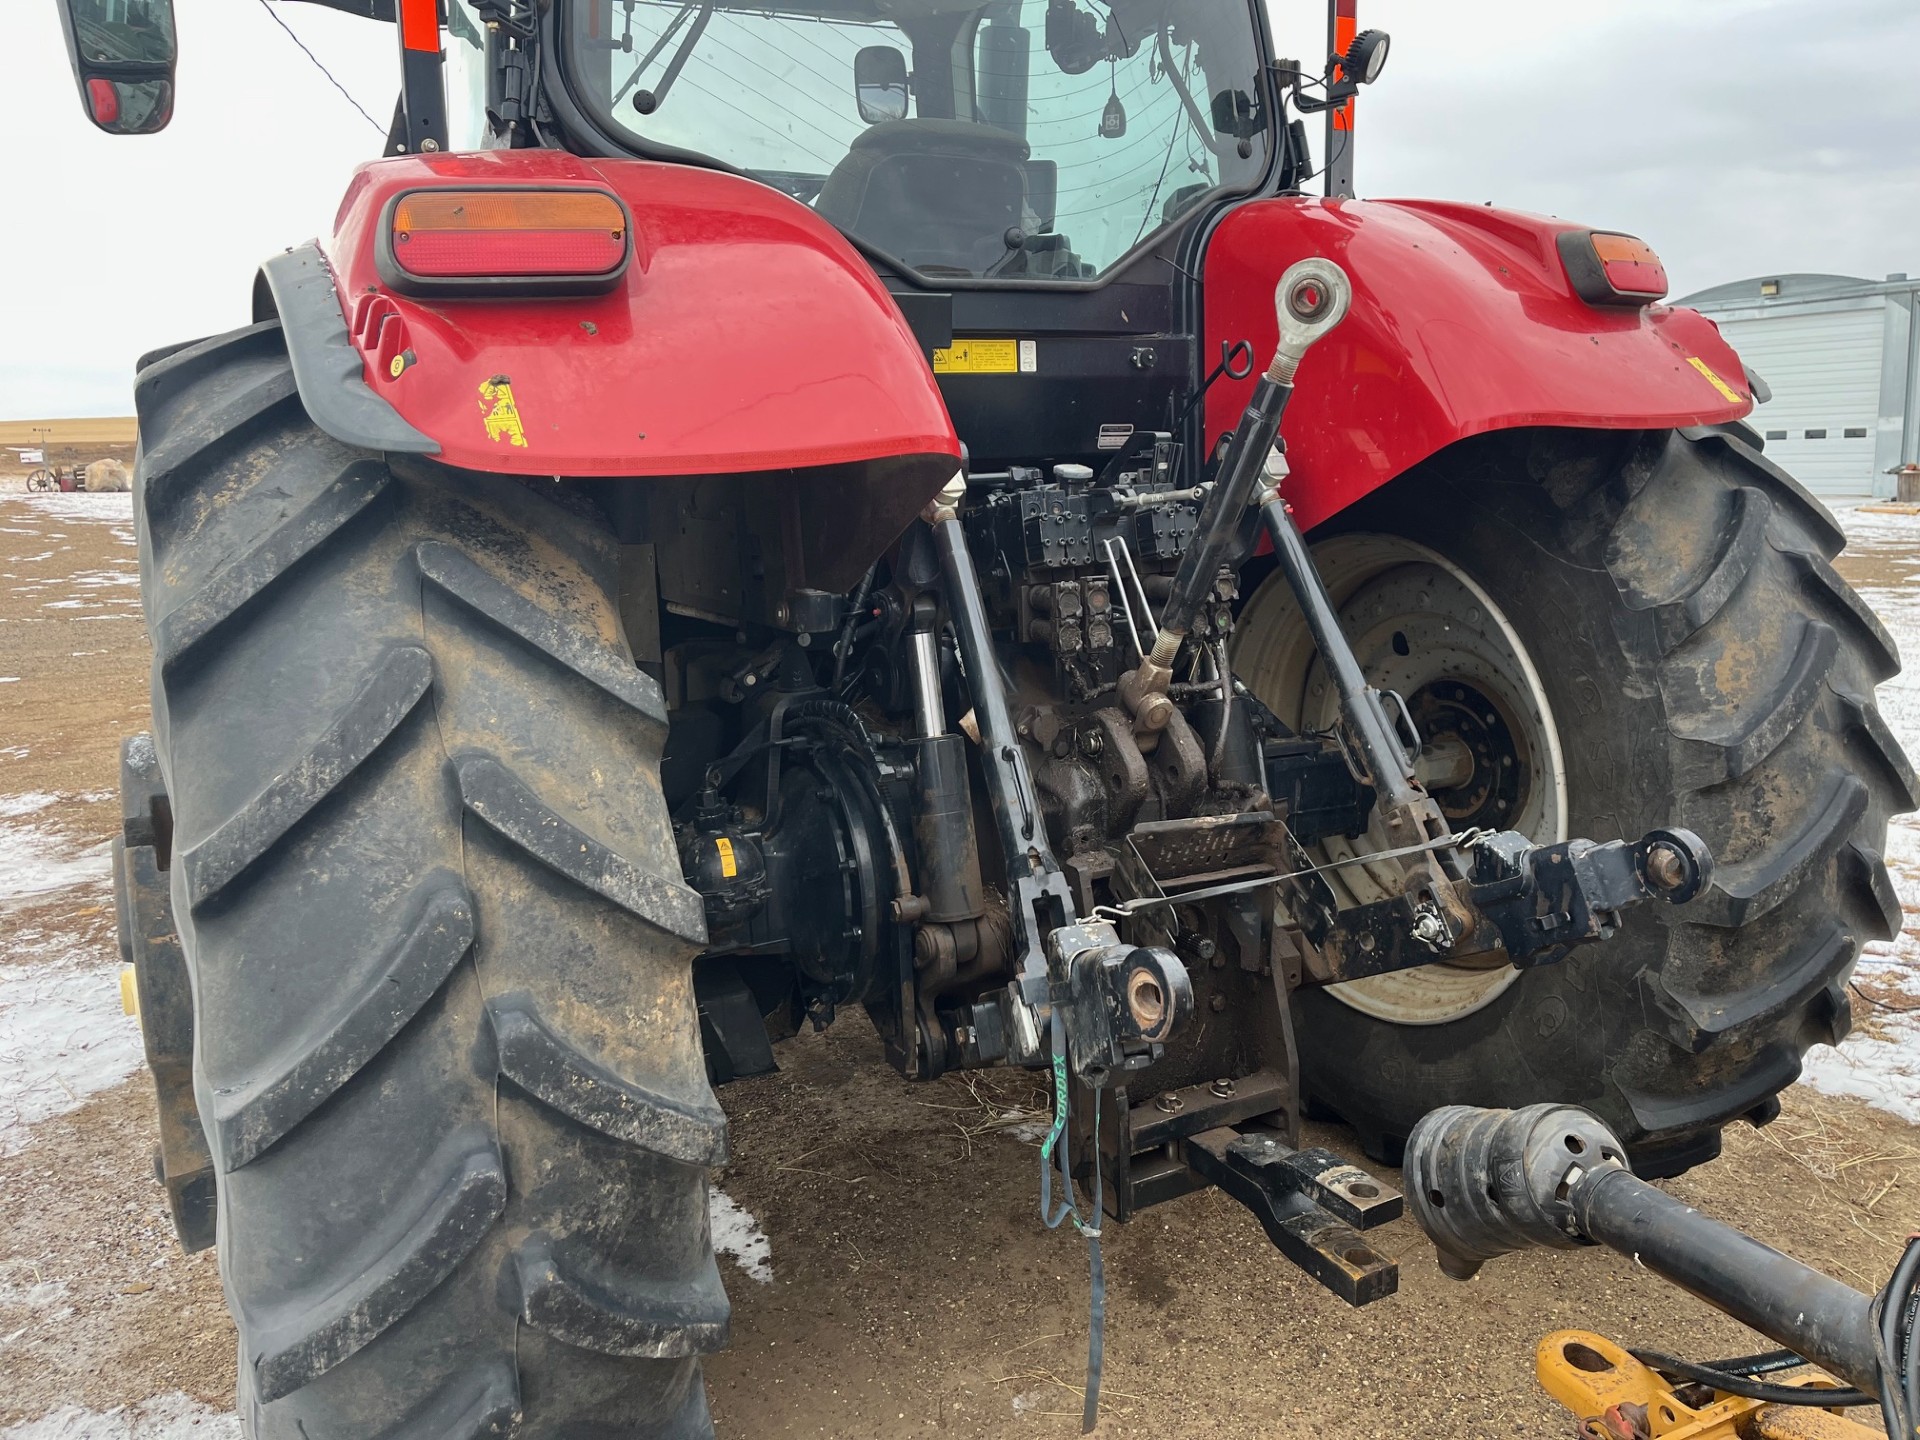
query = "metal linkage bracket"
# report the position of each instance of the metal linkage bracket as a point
(1546, 899)
(1535, 902)
(1311, 1203)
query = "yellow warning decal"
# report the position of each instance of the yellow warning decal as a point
(499, 413)
(729, 867)
(978, 357)
(1733, 396)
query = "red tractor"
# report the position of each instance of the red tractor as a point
(763, 510)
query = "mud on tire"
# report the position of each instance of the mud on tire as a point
(447, 1055)
(1707, 668)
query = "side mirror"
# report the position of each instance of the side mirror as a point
(880, 83)
(123, 55)
(1237, 113)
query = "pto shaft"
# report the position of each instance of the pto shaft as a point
(1486, 1182)
(1812, 1314)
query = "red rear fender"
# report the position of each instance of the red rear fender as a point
(1463, 322)
(746, 335)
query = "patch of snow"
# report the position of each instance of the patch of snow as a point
(62, 1038)
(1883, 1069)
(34, 860)
(41, 1295)
(1880, 1062)
(737, 1233)
(1028, 1127)
(79, 505)
(12, 807)
(1031, 1401)
(9, 679)
(172, 1416)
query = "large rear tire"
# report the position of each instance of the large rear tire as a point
(1686, 656)
(446, 1050)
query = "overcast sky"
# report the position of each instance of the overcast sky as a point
(1741, 137)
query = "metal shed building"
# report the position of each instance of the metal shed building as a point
(1842, 358)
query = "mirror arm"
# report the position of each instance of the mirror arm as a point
(667, 32)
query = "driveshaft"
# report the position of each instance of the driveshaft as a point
(1486, 1182)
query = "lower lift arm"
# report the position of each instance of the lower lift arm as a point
(1114, 1005)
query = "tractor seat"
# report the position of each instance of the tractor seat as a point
(939, 194)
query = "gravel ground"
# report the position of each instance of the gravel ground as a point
(888, 1273)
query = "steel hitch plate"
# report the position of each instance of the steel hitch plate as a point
(1311, 1203)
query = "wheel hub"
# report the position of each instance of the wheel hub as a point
(1469, 762)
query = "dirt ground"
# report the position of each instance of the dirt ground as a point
(913, 1290)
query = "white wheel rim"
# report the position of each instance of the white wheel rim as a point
(1415, 620)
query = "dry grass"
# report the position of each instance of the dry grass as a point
(1864, 1181)
(986, 1102)
(83, 430)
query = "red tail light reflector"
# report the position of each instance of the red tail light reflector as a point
(1608, 268)
(1631, 266)
(105, 101)
(572, 241)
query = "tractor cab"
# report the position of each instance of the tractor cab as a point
(1024, 176)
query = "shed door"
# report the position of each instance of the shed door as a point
(1825, 373)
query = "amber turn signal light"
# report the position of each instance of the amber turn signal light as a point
(1607, 268)
(521, 241)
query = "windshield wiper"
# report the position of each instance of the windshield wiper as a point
(652, 98)
(1200, 127)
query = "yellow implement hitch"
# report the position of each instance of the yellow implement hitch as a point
(1615, 1397)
